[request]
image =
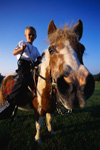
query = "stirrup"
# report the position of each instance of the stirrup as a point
(14, 113)
(6, 110)
(4, 106)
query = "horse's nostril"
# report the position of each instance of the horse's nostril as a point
(64, 87)
(89, 87)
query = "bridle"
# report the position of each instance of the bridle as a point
(53, 87)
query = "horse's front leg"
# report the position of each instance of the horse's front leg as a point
(39, 124)
(49, 118)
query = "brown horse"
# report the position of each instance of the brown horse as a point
(62, 66)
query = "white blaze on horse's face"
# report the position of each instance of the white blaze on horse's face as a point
(65, 62)
(70, 56)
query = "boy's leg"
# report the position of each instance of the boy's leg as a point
(16, 90)
(20, 85)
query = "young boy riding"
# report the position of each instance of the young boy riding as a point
(26, 55)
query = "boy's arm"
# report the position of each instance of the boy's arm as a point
(39, 58)
(17, 51)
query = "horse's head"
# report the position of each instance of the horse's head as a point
(74, 82)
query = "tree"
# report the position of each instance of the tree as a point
(1, 77)
(97, 77)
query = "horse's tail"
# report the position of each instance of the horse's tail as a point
(1, 93)
(0, 98)
(5, 81)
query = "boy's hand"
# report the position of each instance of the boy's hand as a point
(17, 51)
(23, 46)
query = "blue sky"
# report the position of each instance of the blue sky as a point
(15, 15)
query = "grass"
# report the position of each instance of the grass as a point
(77, 131)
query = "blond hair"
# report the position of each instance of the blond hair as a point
(33, 29)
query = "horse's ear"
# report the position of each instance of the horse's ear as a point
(51, 27)
(78, 29)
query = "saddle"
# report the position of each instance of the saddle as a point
(31, 92)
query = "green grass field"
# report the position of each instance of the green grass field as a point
(77, 131)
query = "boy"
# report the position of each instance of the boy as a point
(26, 54)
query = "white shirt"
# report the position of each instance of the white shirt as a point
(30, 52)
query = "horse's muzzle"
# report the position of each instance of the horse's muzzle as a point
(71, 95)
(88, 88)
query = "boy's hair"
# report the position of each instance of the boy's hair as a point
(32, 28)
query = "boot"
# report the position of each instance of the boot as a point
(4, 106)
(6, 110)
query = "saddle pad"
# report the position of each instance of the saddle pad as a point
(10, 86)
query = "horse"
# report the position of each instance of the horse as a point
(63, 79)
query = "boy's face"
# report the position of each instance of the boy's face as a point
(30, 36)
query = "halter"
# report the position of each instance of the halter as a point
(53, 87)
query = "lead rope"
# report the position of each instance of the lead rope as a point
(58, 108)
(62, 112)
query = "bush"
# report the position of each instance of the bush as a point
(97, 77)
(1, 78)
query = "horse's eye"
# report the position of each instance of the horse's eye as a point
(51, 49)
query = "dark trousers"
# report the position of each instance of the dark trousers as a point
(24, 79)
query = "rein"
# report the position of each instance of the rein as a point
(36, 72)
(49, 81)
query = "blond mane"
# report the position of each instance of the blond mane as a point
(63, 34)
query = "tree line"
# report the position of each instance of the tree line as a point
(1, 77)
(96, 77)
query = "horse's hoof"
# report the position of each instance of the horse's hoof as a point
(52, 132)
(39, 142)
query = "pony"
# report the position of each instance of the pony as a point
(63, 79)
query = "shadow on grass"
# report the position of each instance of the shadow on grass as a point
(4, 139)
(94, 111)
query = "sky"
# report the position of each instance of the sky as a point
(16, 15)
